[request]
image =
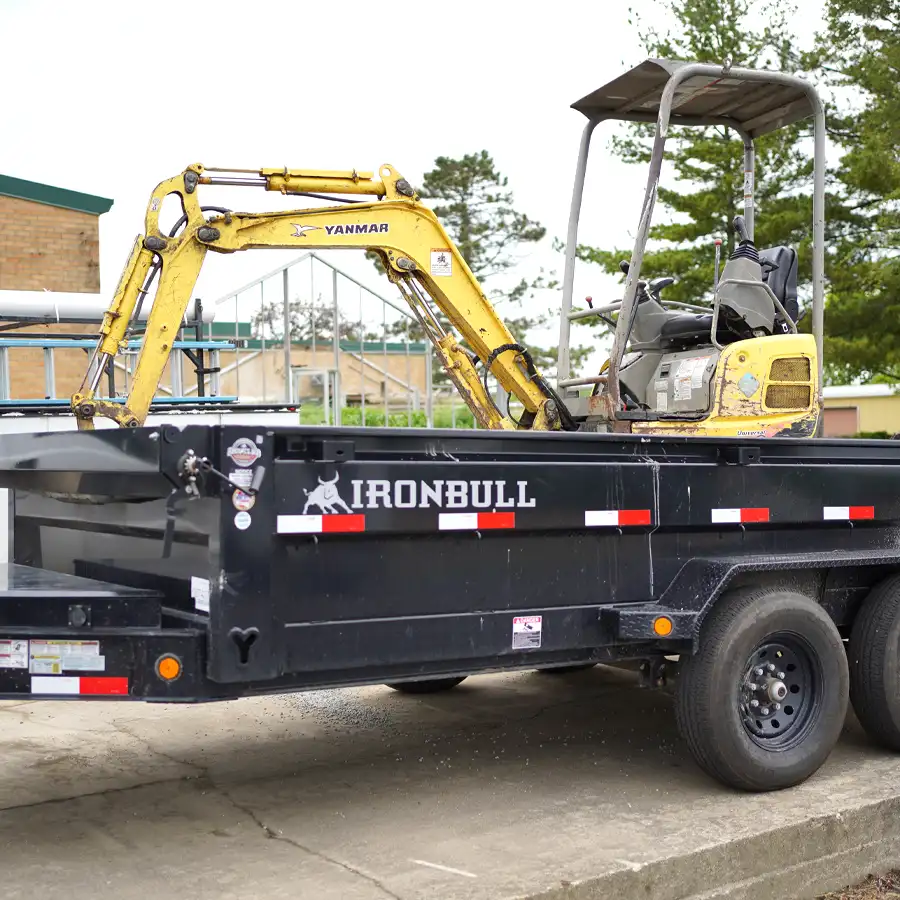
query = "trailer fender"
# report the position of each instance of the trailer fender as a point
(700, 582)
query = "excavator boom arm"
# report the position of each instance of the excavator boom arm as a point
(416, 251)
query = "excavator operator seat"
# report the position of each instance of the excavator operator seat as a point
(779, 271)
(689, 329)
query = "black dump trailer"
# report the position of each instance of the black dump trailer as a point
(206, 563)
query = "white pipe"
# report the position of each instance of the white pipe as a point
(59, 306)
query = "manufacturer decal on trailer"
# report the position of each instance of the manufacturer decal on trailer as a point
(325, 497)
(243, 452)
(378, 493)
(243, 502)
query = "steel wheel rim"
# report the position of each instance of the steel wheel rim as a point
(783, 675)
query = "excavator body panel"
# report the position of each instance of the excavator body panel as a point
(763, 387)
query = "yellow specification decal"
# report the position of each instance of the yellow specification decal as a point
(56, 657)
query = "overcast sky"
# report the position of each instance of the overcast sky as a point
(110, 98)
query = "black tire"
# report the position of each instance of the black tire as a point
(731, 740)
(429, 686)
(566, 670)
(875, 663)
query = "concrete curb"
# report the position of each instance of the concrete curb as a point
(795, 862)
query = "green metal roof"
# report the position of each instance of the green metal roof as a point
(53, 196)
(226, 330)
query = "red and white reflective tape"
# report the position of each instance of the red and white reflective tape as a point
(476, 521)
(336, 524)
(615, 518)
(740, 515)
(845, 513)
(83, 685)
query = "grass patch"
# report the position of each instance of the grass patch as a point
(314, 414)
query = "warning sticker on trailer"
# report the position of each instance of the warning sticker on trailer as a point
(241, 477)
(56, 657)
(200, 593)
(526, 632)
(13, 654)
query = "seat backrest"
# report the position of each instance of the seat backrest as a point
(779, 270)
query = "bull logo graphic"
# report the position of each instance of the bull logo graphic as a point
(325, 496)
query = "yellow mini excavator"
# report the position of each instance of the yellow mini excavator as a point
(740, 368)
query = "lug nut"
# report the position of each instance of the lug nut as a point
(765, 710)
(757, 672)
(781, 676)
(752, 686)
(754, 703)
(776, 706)
(770, 667)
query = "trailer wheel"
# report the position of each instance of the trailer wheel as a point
(875, 663)
(762, 704)
(428, 686)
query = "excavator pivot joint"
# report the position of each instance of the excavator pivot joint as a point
(154, 243)
(207, 233)
(191, 180)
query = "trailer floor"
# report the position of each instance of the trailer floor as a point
(510, 786)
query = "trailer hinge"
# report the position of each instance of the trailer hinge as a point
(739, 456)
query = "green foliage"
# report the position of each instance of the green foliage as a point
(860, 52)
(306, 320)
(708, 162)
(873, 435)
(445, 416)
(473, 201)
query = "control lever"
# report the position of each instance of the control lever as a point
(192, 466)
(641, 285)
(659, 283)
(740, 229)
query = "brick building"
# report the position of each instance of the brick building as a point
(49, 241)
(49, 237)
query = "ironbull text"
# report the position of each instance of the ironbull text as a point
(450, 494)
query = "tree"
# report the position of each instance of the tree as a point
(860, 50)
(708, 162)
(473, 201)
(308, 321)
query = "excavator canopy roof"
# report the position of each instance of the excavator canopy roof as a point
(757, 106)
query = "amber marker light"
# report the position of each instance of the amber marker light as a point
(168, 667)
(662, 626)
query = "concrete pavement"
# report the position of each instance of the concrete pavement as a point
(509, 786)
